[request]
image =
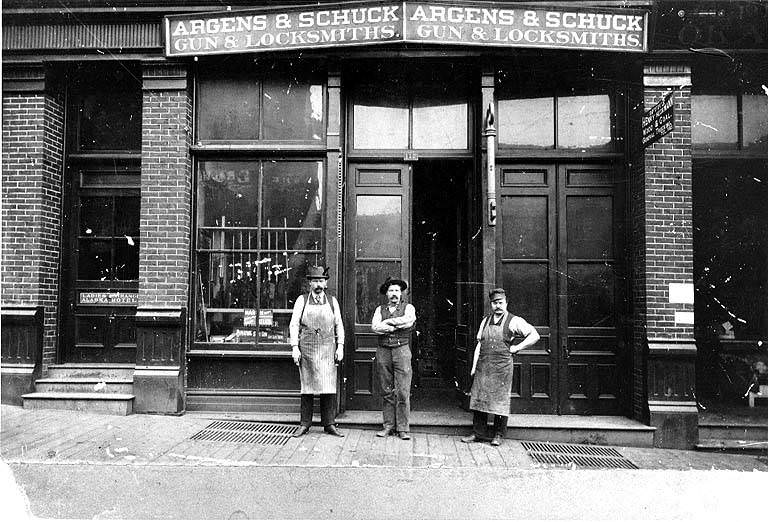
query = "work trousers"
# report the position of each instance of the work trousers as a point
(480, 425)
(395, 373)
(327, 408)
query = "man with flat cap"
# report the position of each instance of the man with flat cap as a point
(394, 322)
(317, 343)
(492, 367)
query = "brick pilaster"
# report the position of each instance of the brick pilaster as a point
(32, 161)
(663, 257)
(166, 219)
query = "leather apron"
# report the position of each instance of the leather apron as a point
(317, 343)
(493, 376)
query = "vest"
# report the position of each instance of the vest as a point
(399, 337)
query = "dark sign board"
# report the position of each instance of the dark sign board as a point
(109, 298)
(486, 24)
(658, 121)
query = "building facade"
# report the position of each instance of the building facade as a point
(171, 169)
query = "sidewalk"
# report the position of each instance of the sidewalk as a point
(64, 437)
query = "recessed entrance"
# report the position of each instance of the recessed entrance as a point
(438, 250)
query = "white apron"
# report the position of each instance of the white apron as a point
(317, 343)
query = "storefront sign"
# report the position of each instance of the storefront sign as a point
(485, 24)
(658, 121)
(109, 298)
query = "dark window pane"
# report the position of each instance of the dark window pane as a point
(126, 259)
(525, 226)
(110, 119)
(590, 227)
(368, 277)
(228, 193)
(94, 260)
(381, 116)
(293, 109)
(127, 215)
(379, 226)
(228, 107)
(591, 295)
(527, 286)
(292, 195)
(714, 121)
(527, 123)
(755, 110)
(96, 217)
(584, 122)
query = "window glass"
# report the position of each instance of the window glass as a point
(110, 119)
(584, 122)
(527, 123)
(440, 113)
(755, 111)
(228, 107)
(714, 121)
(259, 227)
(380, 116)
(293, 109)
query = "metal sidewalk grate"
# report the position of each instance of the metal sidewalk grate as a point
(579, 455)
(246, 432)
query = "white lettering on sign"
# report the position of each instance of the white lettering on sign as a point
(109, 298)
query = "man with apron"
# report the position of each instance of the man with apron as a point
(492, 367)
(317, 343)
(394, 322)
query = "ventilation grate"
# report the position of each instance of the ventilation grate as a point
(578, 455)
(246, 432)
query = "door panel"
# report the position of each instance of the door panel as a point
(562, 263)
(378, 238)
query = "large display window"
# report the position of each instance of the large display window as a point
(259, 226)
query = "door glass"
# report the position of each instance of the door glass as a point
(524, 231)
(94, 261)
(755, 110)
(527, 123)
(368, 277)
(590, 295)
(379, 226)
(527, 286)
(95, 217)
(381, 116)
(590, 227)
(584, 122)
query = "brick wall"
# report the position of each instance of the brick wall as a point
(33, 127)
(166, 184)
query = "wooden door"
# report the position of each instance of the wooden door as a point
(561, 259)
(377, 245)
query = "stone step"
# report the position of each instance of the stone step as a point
(91, 370)
(110, 403)
(84, 385)
(756, 431)
(757, 447)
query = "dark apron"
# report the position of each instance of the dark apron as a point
(493, 375)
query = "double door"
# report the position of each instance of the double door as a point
(561, 257)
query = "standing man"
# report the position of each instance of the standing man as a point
(492, 367)
(317, 341)
(394, 323)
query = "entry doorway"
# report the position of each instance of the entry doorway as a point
(411, 221)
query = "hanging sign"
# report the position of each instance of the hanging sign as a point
(659, 120)
(485, 24)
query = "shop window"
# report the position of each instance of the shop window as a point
(248, 104)
(729, 108)
(259, 226)
(573, 107)
(424, 112)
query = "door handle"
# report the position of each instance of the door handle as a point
(566, 354)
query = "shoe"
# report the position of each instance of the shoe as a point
(496, 440)
(471, 438)
(301, 431)
(333, 430)
(404, 435)
(386, 432)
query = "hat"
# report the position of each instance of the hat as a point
(391, 281)
(497, 293)
(317, 272)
